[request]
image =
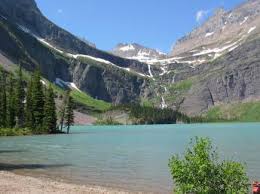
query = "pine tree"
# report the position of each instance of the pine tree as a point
(10, 103)
(1, 93)
(63, 109)
(37, 100)
(69, 115)
(29, 121)
(50, 118)
(2, 98)
(19, 99)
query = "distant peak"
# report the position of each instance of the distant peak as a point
(220, 11)
(126, 47)
(137, 52)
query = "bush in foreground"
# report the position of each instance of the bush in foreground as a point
(200, 171)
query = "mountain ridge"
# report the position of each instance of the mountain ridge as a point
(22, 44)
(212, 72)
(27, 14)
(222, 25)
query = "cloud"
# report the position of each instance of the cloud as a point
(201, 14)
(60, 11)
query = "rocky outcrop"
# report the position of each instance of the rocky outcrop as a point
(114, 85)
(235, 77)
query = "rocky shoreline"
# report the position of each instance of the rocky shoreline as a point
(12, 183)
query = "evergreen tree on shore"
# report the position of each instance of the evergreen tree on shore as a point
(69, 115)
(10, 103)
(19, 99)
(63, 109)
(3, 107)
(37, 100)
(50, 118)
(32, 107)
(29, 121)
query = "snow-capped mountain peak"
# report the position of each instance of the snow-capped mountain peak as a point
(137, 52)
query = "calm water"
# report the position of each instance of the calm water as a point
(130, 157)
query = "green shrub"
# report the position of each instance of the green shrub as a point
(201, 172)
(14, 132)
(245, 112)
(107, 121)
(181, 86)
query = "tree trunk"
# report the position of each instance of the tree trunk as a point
(68, 129)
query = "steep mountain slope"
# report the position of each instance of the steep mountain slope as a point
(221, 29)
(208, 69)
(137, 52)
(216, 64)
(235, 77)
(26, 14)
(30, 39)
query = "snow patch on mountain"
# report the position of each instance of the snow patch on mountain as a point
(75, 56)
(3, 17)
(209, 34)
(43, 82)
(127, 48)
(216, 50)
(233, 48)
(164, 70)
(107, 62)
(49, 45)
(26, 30)
(73, 85)
(64, 84)
(244, 21)
(160, 52)
(251, 29)
(138, 52)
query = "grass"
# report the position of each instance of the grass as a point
(15, 132)
(147, 102)
(244, 112)
(178, 90)
(84, 99)
(181, 86)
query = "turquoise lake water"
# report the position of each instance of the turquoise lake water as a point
(128, 157)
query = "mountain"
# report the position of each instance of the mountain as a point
(137, 52)
(215, 66)
(29, 38)
(29, 18)
(224, 30)
(217, 63)
(88, 42)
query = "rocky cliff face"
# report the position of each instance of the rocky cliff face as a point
(223, 82)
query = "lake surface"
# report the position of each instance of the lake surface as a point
(128, 157)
